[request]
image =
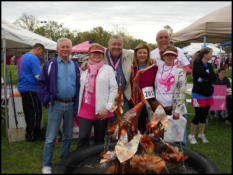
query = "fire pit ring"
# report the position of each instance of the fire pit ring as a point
(196, 160)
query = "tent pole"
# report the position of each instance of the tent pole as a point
(5, 87)
(204, 41)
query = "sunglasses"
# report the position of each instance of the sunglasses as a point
(170, 54)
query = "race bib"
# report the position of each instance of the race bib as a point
(148, 92)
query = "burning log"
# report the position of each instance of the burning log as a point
(134, 152)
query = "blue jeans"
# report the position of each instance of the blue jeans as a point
(55, 114)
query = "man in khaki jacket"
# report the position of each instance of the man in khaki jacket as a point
(121, 61)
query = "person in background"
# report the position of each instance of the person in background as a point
(163, 40)
(202, 92)
(146, 80)
(58, 89)
(28, 73)
(97, 93)
(223, 80)
(230, 63)
(227, 62)
(170, 84)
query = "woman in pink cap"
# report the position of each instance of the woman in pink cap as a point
(97, 92)
(170, 84)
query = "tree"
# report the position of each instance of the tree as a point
(54, 31)
(178, 44)
(27, 22)
(101, 36)
(169, 30)
(49, 29)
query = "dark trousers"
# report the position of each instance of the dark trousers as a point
(142, 118)
(201, 114)
(33, 112)
(85, 126)
(229, 108)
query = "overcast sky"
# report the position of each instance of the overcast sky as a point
(140, 19)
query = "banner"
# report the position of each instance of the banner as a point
(219, 98)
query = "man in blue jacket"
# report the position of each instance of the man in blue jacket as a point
(58, 89)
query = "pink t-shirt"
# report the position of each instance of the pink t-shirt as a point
(87, 109)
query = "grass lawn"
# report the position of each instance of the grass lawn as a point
(26, 157)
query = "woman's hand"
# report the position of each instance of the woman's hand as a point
(84, 65)
(103, 114)
(176, 116)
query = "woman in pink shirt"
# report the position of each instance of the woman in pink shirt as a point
(97, 93)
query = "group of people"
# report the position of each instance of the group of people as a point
(88, 91)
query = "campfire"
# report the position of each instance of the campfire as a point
(137, 152)
(126, 150)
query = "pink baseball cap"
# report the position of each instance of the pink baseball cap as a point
(96, 50)
(169, 51)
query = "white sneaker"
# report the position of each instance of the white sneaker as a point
(202, 138)
(46, 170)
(192, 139)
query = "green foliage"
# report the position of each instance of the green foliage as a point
(27, 157)
(97, 34)
(220, 136)
(54, 31)
(14, 73)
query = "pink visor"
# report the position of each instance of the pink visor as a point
(169, 51)
(96, 50)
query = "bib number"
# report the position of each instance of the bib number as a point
(148, 92)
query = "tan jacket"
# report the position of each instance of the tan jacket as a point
(127, 60)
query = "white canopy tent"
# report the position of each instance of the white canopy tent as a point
(17, 37)
(13, 37)
(194, 47)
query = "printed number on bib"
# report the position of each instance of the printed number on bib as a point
(148, 92)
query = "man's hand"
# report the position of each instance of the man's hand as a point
(188, 69)
(84, 65)
(176, 116)
(103, 114)
(153, 61)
